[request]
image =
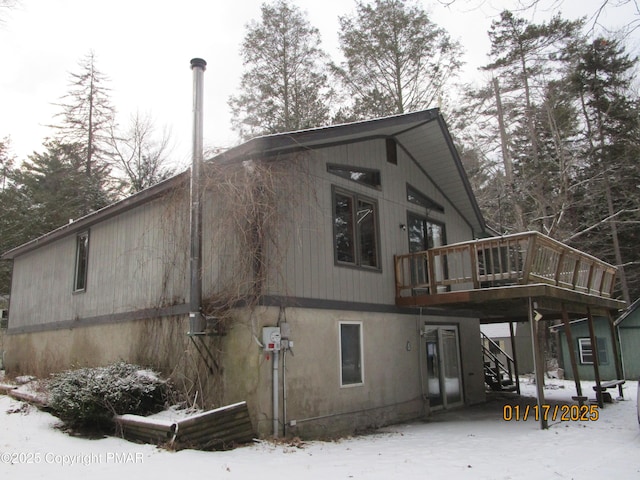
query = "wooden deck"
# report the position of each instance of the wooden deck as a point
(496, 277)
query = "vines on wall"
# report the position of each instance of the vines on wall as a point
(249, 218)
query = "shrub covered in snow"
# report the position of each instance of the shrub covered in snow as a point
(90, 397)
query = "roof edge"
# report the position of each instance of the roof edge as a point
(307, 137)
(104, 213)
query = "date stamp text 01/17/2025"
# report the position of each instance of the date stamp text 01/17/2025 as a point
(563, 413)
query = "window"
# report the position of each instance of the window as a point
(355, 229)
(423, 235)
(351, 354)
(586, 352)
(363, 176)
(82, 259)
(418, 198)
(392, 151)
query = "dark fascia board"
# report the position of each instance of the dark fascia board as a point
(101, 215)
(463, 176)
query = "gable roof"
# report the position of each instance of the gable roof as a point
(423, 136)
(630, 309)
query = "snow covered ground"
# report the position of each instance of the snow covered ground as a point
(470, 443)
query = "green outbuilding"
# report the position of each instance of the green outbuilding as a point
(627, 326)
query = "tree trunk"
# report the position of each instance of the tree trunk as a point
(506, 158)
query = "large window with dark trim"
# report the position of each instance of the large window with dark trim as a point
(355, 229)
(351, 371)
(82, 260)
(586, 351)
(363, 176)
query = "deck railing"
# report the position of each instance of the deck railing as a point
(519, 259)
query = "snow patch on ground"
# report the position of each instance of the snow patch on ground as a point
(469, 443)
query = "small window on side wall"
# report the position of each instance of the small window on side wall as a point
(351, 371)
(418, 198)
(82, 261)
(392, 151)
(586, 352)
(363, 176)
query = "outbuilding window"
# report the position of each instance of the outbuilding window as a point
(351, 371)
(82, 260)
(586, 352)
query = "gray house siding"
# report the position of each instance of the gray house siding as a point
(136, 260)
(309, 267)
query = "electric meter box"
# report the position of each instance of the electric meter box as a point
(271, 338)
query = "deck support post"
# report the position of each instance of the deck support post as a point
(596, 360)
(538, 363)
(572, 350)
(615, 342)
(515, 357)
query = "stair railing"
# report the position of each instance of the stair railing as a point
(500, 367)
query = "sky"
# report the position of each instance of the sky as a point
(145, 47)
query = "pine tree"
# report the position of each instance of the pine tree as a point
(87, 118)
(527, 60)
(396, 59)
(608, 216)
(284, 86)
(48, 190)
(12, 213)
(58, 189)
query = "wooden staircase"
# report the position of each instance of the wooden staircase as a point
(498, 367)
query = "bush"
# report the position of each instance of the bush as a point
(88, 398)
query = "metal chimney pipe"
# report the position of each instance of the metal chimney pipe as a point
(196, 320)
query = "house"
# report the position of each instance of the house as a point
(344, 279)
(627, 330)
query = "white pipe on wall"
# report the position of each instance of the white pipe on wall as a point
(276, 419)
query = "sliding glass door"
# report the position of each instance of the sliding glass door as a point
(443, 372)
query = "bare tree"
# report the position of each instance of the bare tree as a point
(5, 7)
(141, 154)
